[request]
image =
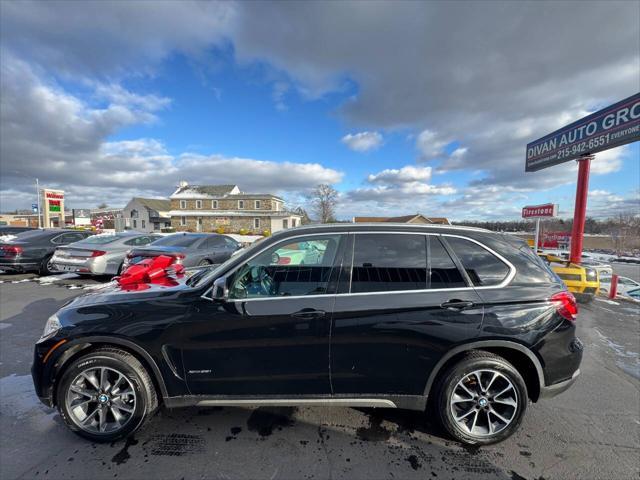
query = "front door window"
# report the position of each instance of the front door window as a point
(292, 268)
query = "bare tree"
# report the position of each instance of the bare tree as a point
(324, 199)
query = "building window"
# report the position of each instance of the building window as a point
(183, 204)
(144, 224)
(214, 204)
(134, 213)
(258, 204)
(285, 223)
(198, 204)
(183, 221)
(256, 223)
(156, 225)
(240, 203)
(293, 222)
(135, 224)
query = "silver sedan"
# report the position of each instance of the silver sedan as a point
(100, 254)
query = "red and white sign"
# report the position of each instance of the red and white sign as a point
(555, 239)
(59, 196)
(540, 211)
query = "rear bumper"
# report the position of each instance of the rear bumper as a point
(557, 388)
(18, 264)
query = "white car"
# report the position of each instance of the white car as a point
(625, 285)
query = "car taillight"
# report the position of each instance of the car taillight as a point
(566, 305)
(179, 257)
(11, 251)
(98, 253)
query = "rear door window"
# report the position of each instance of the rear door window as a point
(384, 262)
(443, 272)
(482, 266)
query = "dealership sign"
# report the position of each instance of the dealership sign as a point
(610, 127)
(540, 211)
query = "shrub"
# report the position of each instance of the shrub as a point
(220, 230)
(167, 230)
(266, 233)
(243, 231)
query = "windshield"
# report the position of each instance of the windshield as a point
(178, 240)
(213, 274)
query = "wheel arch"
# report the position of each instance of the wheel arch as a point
(523, 359)
(85, 345)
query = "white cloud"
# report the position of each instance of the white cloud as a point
(431, 145)
(62, 140)
(407, 174)
(363, 141)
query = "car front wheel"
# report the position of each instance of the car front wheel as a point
(106, 395)
(481, 399)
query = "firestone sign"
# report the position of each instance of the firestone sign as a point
(540, 211)
(610, 127)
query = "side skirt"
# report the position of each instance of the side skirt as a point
(410, 402)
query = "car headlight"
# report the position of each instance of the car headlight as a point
(591, 273)
(51, 327)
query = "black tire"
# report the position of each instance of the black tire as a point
(146, 399)
(43, 269)
(448, 381)
(204, 263)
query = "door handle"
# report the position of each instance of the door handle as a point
(456, 304)
(309, 314)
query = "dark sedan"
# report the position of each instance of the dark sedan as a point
(189, 249)
(32, 250)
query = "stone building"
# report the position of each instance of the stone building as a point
(210, 208)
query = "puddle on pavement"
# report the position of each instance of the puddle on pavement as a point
(265, 420)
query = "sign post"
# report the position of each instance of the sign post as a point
(613, 126)
(580, 210)
(539, 211)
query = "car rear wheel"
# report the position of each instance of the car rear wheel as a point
(481, 399)
(46, 267)
(204, 263)
(106, 395)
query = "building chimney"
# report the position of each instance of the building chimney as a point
(183, 183)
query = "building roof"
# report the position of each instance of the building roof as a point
(403, 219)
(232, 213)
(157, 204)
(186, 190)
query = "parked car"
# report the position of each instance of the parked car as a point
(389, 316)
(625, 284)
(189, 249)
(32, 250)
(100, 254)
(634, 294)
(581, 280)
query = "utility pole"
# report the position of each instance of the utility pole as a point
(38, 197)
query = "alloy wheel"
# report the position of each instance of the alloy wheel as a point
(101, 400)
(483, 403)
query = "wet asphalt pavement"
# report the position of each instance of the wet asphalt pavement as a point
(590, 431)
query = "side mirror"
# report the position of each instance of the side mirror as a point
(219, 291)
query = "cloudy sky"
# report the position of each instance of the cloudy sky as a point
(403, 107)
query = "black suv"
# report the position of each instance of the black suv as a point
(395, 316)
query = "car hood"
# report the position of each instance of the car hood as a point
(114, 293)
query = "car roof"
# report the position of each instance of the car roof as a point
(381, 227)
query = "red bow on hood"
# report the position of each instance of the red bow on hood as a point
(157, 271)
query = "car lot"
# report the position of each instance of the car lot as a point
(591, 431)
